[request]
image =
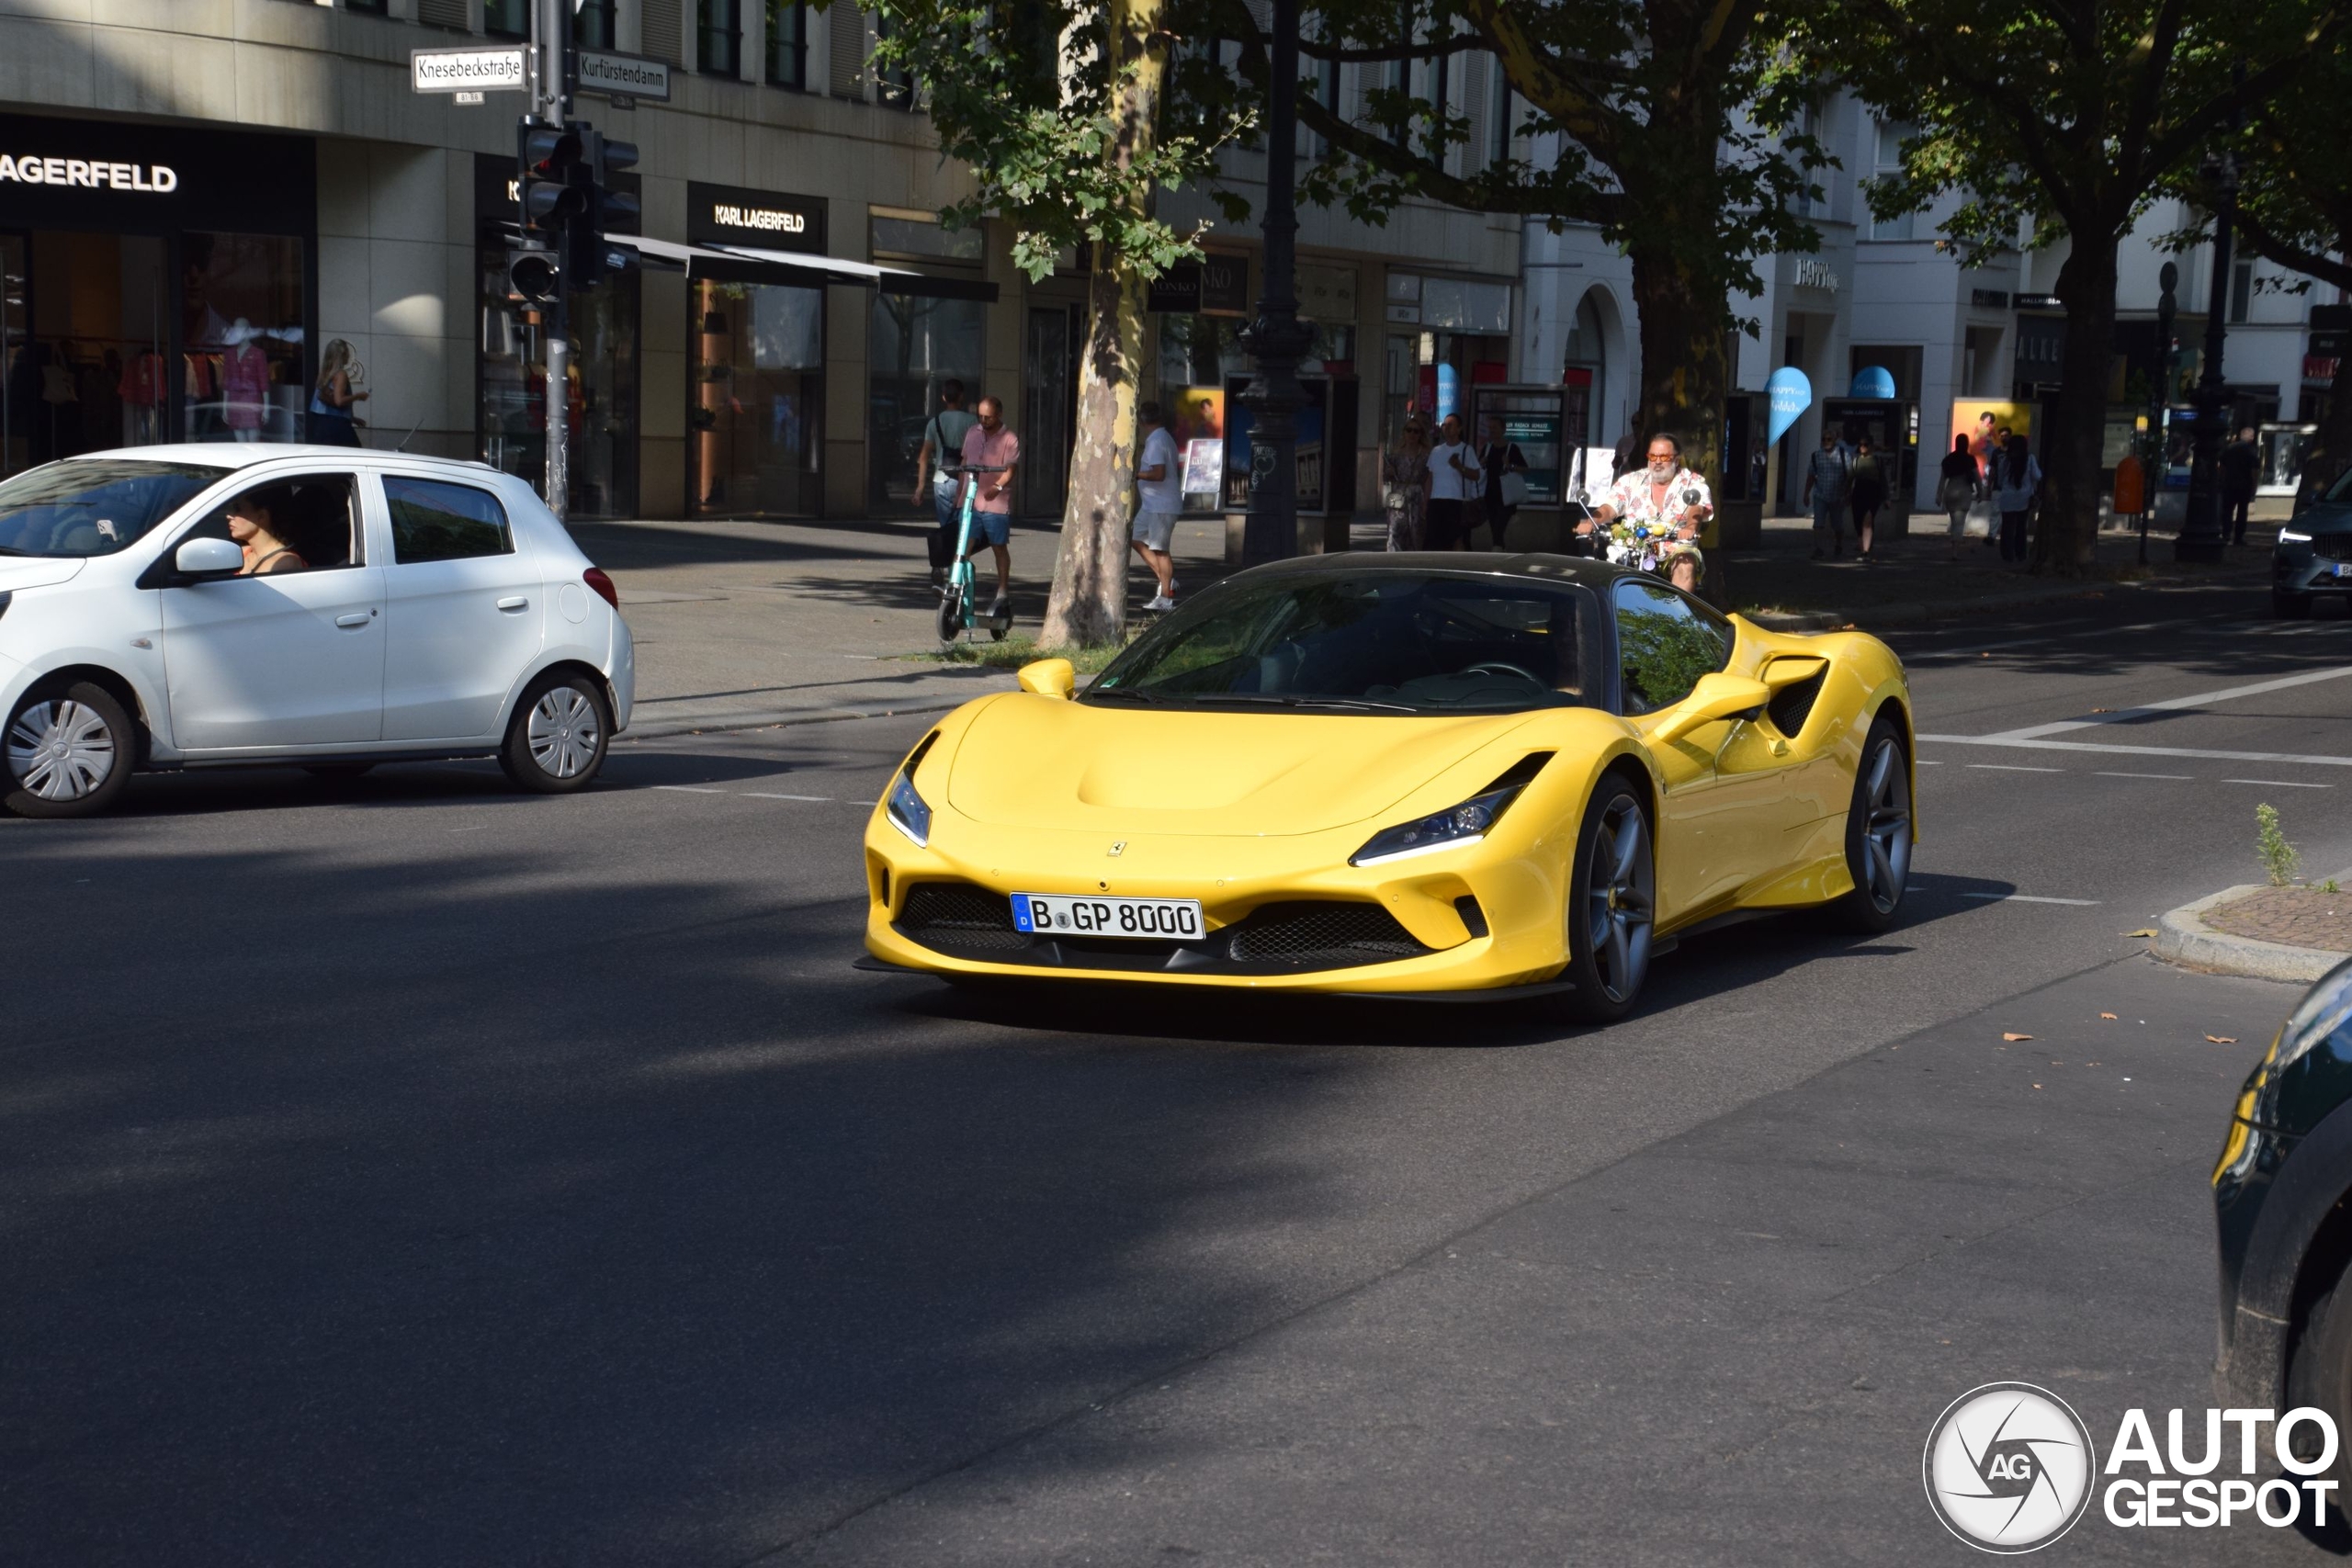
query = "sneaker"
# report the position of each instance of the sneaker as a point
(1162, 603)
(999, 604)
(939, 577)
(1171, 595)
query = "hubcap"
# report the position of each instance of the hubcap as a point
(59, 750)
(563, 732)
(1620, 885)
(1886, 827)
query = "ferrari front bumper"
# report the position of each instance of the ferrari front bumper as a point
(1281, 913)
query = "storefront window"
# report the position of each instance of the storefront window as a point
(241, 337)
(917, 345)
(759, 372)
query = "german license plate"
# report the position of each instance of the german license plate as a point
(2342, 569)
(1149, 920)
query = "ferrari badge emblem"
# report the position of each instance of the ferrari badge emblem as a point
(1119, 849)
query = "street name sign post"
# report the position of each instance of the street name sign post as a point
(464, 71)
(623, 78)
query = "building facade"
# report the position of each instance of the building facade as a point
(205, 204)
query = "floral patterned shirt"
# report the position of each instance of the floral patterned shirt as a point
(1629, 499)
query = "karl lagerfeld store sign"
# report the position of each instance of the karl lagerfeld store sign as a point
(762, 220)
(115, 174)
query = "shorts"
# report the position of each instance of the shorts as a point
(992, 528)
(944, 506)
(1154, 530)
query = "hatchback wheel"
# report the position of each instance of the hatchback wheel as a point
(68, 751)
(556, 741)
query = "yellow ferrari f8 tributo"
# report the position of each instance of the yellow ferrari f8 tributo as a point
(1433, 775)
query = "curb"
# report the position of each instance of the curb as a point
(1904, 612)
(2183, 937)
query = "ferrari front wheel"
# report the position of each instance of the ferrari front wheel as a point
(1877, 832)
(1612, 903)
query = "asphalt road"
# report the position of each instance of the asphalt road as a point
(411, 1172)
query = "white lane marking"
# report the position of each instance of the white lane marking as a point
(1929, 762)
(2012, 768)
(2180, 776)
(689, 789)
(2173, 705)
(763, 795)
(2011, 742)
(2029, 898)
(2280, 783)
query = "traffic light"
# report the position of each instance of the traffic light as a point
(550, 189)
(601, 208)
(532, 273)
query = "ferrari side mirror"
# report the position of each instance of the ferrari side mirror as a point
(1049, 678)
(1714, 697)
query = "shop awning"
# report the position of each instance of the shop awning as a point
(741, 264)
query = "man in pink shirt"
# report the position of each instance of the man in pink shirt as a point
(995, 450)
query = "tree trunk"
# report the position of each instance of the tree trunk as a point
(2066, 540)
(1684, 376)
(1089, 606)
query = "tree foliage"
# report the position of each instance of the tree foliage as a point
(2061, 119)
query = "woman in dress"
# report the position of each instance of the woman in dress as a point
(1404, 484)
(1868, 494)
(332, 402)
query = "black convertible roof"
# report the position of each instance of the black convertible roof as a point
(1594, 574)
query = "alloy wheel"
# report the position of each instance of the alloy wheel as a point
(61, 749)
(1887, 826)
(1621, 890)
(563, 732)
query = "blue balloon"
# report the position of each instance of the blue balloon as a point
(1872, 381)
(1789, 395)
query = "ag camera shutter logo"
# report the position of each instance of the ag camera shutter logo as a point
(2009, 1467)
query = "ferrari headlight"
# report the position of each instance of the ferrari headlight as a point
(2293, 537)
(906, 808)
(1463, 824)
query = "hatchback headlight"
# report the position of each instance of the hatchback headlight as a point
(1463, 824)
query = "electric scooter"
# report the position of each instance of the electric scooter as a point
(956, 614)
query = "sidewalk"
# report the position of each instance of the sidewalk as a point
(743, 625)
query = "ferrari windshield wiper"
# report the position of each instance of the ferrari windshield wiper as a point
(1271, 699)
(1120, 693)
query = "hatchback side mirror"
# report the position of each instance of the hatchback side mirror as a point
(1049, 678)
(1715, 696)
(209, 557)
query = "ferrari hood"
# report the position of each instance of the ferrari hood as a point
(1030, 761)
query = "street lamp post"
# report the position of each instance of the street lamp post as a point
(1277, 337)
(2200, 532)
(2152, 450)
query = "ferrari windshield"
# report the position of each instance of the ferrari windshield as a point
(1375, 640)
(93, 507)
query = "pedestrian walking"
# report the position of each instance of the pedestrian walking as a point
(1159, 496)
(2015, 491)
(2241, 464)
(1505, 467)
(1827, 475)
(334, 417)
(1866, 492)
(1405, 484)
(1454, 483)
(990, 447)
(1957, 490)
(943, 446)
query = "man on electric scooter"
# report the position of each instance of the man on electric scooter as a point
(996, 451)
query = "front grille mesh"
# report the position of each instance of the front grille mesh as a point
(957, 914)
(1330, 935)
(2333, 546)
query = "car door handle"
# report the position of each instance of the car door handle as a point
(517, 603)
(354, 620)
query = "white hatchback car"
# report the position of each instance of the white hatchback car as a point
(438, 610)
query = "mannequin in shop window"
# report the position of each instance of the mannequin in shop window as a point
(245, 383)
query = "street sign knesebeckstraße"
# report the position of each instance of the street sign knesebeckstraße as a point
(623, 76)
(465, 70)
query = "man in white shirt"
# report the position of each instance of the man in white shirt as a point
(1455, 481)
(1159, 496)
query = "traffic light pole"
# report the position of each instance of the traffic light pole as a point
(550, 101)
